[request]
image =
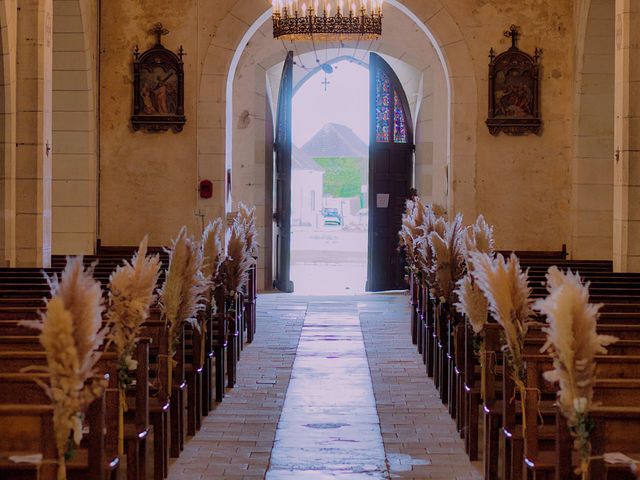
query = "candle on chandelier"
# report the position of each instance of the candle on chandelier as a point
(340, 6)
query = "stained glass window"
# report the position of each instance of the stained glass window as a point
(383, 108)
(399, 122)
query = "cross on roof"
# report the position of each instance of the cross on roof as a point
(514, 34)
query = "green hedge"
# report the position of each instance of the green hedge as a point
(342, 177)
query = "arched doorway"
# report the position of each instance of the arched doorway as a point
(442, 57)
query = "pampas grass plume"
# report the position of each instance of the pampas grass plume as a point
(573, 343)
(247, 219)
(71, 335)
(212, 250)
(235, 267)
(184, 284)
(131, 293)
(506, 288)
(472, 303)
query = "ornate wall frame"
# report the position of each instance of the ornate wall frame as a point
(158, 87)
(514, 90)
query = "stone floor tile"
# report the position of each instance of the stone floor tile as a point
(418, 436)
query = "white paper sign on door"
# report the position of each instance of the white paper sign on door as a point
(382, 200)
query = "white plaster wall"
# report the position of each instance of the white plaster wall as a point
(74, 127)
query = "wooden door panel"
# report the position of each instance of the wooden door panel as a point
(390, 173)
(283, 148)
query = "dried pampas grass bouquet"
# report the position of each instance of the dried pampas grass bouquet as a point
(478, 238)
(235, 268)
(131, 293)
(573, 343)
(212, 249)
(184, 285)
(71, 335)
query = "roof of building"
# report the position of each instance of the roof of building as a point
(335, 140)
(302, 161)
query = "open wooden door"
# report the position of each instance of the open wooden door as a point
(282, 180)
(390, 174)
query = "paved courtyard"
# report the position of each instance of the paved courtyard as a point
(331, 388)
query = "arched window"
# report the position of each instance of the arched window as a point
(390, 116)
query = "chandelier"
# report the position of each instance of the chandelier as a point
(327, 19)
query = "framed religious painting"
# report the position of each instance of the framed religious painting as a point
(514, 90)
(158, 87)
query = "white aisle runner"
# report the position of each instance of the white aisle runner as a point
(329, 427)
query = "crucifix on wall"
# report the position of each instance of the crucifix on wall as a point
(326, 83)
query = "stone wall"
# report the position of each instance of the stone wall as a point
(75, 172)
(522, 184)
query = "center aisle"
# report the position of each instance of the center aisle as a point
(329, 426)
(331, 388)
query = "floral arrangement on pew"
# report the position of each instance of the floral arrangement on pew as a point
(478, 238)
(413, 220)
(573, 343)
(418, 221)
(212, 253)
(235, 267)
(181, 294)
(448, 265)
(212, 257)
(247, 218)
(71, 336)
(131, 293)
(506, 288)
(435, 221)
(235, 271)
(472, 303)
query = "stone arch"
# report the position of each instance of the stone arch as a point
(458, 104)
(242, 22)
(74, 179)
(7, 134)
(592, 166)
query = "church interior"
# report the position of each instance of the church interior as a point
(319, 239)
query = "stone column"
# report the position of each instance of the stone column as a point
(33, 144)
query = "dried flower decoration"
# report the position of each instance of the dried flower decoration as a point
(471, 301)
(131, 294)
(506, 288)
(212, 251)
(71, 336)
(235, 268)
(247, 219)
(448, 254)
(573, 343)
(183, 286)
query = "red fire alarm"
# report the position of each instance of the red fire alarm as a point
(206, 189)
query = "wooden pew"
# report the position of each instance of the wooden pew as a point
(28, 429)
